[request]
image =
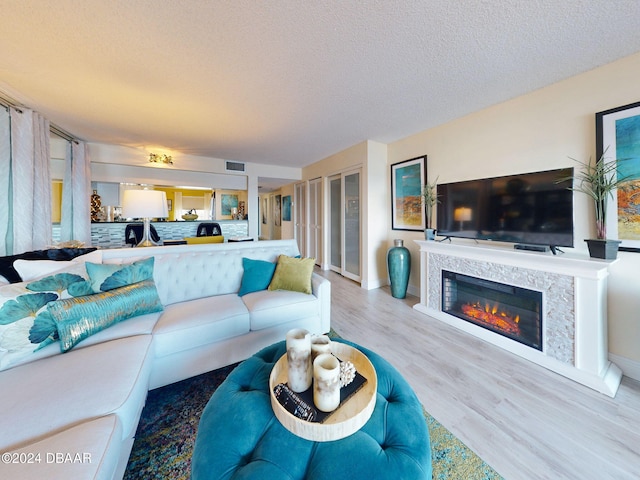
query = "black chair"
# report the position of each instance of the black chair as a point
(208, 229)
(134, 231)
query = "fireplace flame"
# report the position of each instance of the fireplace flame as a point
(492, 315)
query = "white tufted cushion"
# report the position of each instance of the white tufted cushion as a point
(187, 272)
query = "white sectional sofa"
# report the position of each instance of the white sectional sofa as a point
(75, 414)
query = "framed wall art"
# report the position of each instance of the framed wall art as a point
(286, 208)
(229, 202)
(407, 178)
(618, 138)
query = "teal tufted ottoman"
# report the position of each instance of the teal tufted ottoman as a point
(240, 438)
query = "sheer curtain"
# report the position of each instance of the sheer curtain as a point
(25, 219)
(6, 241)
(75, 223)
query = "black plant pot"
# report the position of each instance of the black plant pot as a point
(605, 249)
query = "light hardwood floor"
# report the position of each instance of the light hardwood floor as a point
(523, 420)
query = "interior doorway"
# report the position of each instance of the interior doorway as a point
(345, 239)
(300, 214)
(308, 218)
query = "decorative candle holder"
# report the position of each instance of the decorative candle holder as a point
(326, 382)
(300, 371)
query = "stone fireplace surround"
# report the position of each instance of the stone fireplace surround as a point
(574, 292)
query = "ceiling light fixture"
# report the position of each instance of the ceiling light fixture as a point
(160, 158)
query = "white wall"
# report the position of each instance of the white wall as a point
(534, 132)
(376, 218)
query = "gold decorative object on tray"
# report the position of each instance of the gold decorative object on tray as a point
(348, 418)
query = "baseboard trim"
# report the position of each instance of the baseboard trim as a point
(630, 368)
(372, 285)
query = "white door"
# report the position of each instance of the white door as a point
(345, 224)
(335, 223)
(314, 232)
(300, 212)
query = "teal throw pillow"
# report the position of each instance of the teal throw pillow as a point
(257, 275)
(106, 276)
(81, 317)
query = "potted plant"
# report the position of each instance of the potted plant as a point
(429, 196)
(599, 180)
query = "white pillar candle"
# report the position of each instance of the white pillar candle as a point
(320, 344)
(299, 365)
(326, 382)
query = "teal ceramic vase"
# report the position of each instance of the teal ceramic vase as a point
(399, 265)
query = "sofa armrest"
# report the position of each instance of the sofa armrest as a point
(321, 288)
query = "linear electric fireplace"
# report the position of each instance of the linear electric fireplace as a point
(511, 311)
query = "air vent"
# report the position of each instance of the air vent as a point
(235, 166)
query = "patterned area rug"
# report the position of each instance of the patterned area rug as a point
(167, 433)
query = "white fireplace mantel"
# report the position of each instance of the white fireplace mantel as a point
(574, 289)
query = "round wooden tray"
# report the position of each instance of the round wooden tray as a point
(348, 418)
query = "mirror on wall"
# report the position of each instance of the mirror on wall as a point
(206, 203)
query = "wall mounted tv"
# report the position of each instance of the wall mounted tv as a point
(527, 209)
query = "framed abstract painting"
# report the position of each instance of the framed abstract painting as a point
(407, 178)
(229, 202)
(618, 140)
(286, 208)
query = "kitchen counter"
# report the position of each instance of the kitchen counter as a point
(111, 234)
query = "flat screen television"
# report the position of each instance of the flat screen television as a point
(528, 209)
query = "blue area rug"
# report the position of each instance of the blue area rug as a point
(167, 433)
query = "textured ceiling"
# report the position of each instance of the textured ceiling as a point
(289, 82)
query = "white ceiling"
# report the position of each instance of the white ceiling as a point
(289, 82)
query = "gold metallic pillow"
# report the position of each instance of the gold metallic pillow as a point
(80, 317)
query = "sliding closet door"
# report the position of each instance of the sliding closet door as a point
(345, 224)
(300, 212)
(352, 226)
(335, 222)
(314, 231)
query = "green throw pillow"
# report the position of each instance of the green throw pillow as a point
(293, 274)
(81, 317)
(257, 275)
(107, 276)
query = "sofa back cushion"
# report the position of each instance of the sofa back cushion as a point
(188, 272)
